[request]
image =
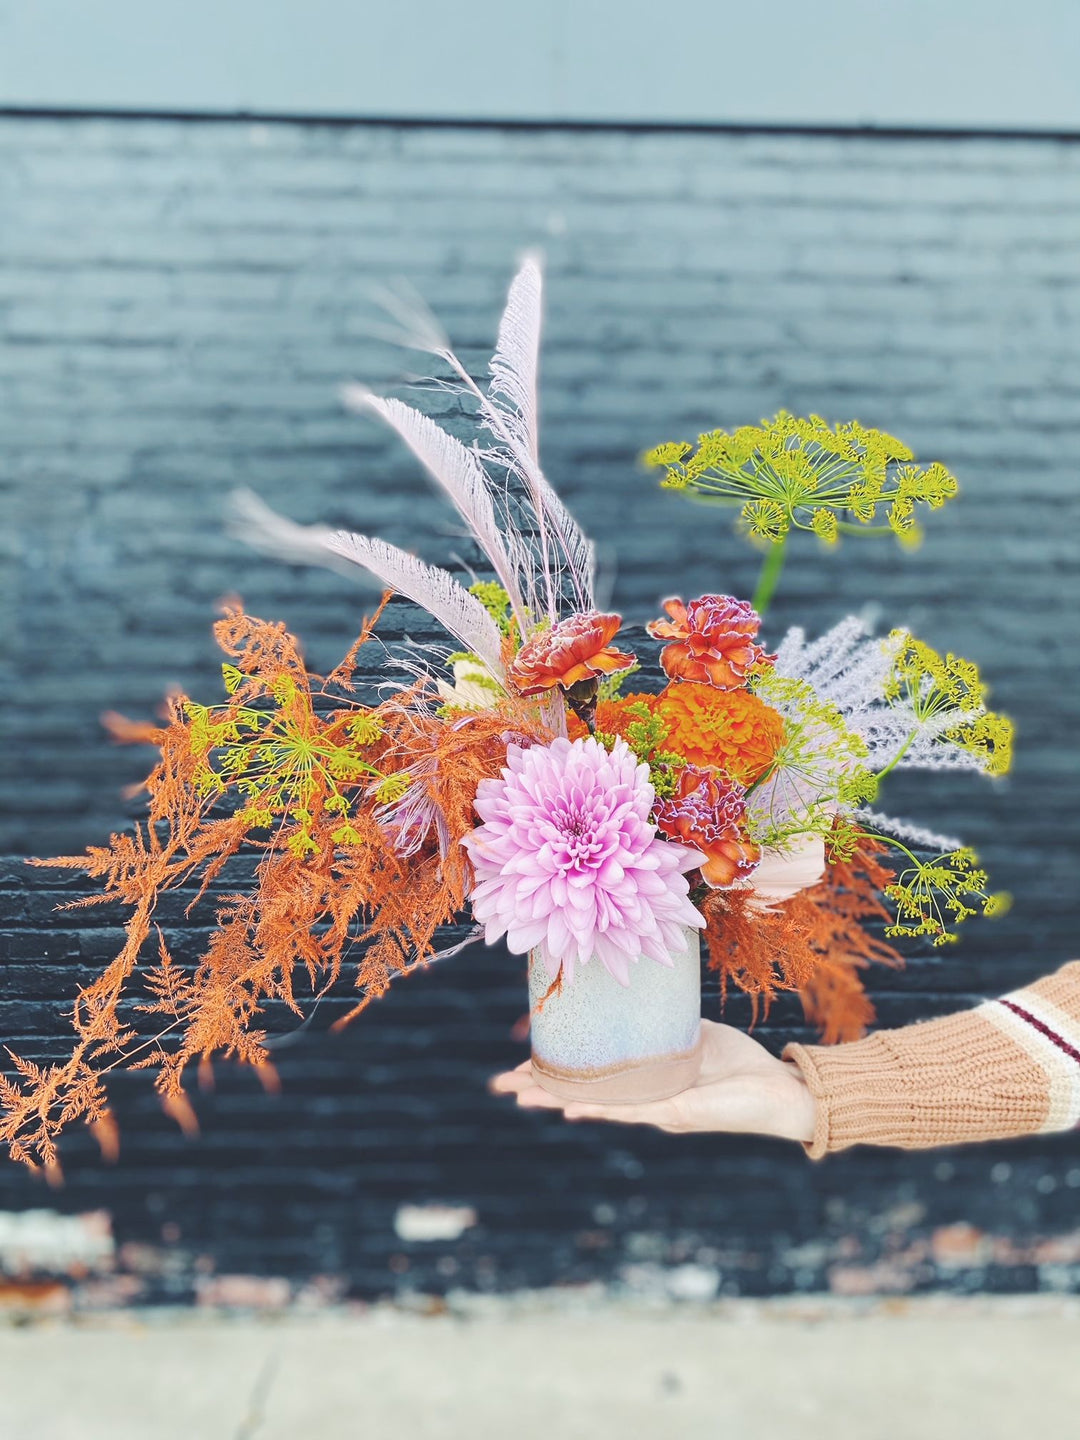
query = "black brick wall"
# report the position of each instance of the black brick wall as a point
(178, 302)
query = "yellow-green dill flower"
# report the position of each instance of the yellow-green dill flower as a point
(790, 473)
(365, 727)
(946, 699)
(391, 788)
(932, 896)
(819, 767)
(301, 844)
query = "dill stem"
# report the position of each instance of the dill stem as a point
(897, 757)
(769, 576)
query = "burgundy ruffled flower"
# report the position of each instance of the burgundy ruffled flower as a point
(711, 640)
(707, 812)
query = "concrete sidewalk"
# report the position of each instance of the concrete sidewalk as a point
(546, 1366)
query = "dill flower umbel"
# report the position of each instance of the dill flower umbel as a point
(946, 699)
(799, 473)
(711, 640)
(729, 730)
(568, 863)
(933, 895)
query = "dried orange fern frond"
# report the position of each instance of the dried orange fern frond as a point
(835, 998)
(354, 814)
(815, 943)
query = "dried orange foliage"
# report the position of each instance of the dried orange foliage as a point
(355, 815)
(309, 790)
(815, 943)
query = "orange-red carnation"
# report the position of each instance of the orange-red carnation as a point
(575, 649)
(712, 640)
(729, 730)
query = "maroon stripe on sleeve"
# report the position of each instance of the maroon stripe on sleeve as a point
(1051, 1035)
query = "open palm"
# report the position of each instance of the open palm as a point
(741, 1088)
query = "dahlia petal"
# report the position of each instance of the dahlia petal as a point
(558, 939)
(610, 873)
(525, 936)
(624, 941)
(616, 964)
(536, 885)
(554, 963)
(654, 948)
(493, 932)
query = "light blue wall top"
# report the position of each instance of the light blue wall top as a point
(980, 63)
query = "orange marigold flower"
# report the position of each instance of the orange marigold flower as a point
(712, 640)
(576, 729)
(573, 650)
(729, 730)
(707, 813)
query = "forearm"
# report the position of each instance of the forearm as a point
(1010, 1067)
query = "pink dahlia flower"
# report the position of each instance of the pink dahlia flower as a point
(567, 862)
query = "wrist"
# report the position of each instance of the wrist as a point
(797, 1117)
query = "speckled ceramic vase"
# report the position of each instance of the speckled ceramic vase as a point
(595, 1039)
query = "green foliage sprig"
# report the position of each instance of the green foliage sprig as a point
(645, 735)
(496, 602)
(611, 686)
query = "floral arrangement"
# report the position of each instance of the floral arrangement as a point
(523, 779)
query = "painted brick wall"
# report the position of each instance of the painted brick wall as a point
(178, 302)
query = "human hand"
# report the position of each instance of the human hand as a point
(742, 1089)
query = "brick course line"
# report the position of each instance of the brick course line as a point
(556, 125)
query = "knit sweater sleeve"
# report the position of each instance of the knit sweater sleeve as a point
(1009, 1067)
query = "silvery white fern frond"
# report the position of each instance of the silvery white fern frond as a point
(849, 667)
(905, 830)
(458, 471)
(434, 589)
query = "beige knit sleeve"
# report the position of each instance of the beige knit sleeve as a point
(1009, 1067)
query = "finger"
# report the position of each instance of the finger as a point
(535, 1098)
(618, 1114)
(511, 1081)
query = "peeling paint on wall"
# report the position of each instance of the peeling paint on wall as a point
(427, 1223)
